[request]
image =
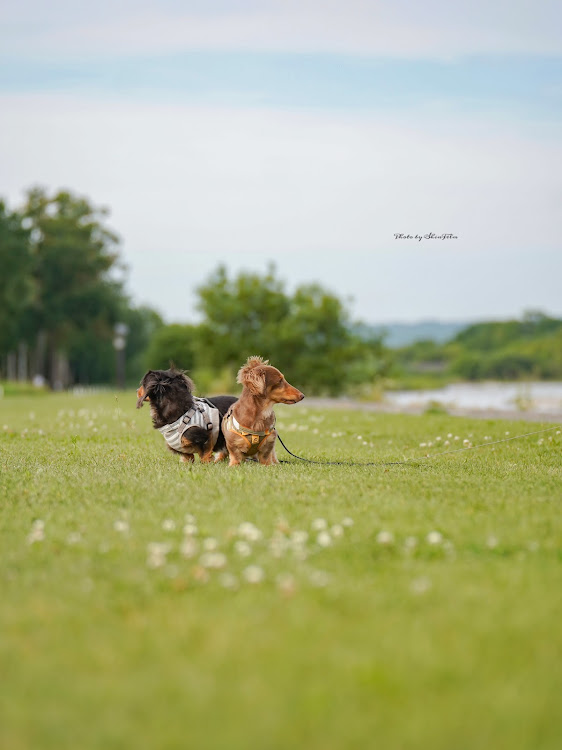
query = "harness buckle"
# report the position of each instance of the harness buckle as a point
(255, 439)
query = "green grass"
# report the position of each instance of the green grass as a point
(359, 644)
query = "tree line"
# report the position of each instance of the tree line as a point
(60, 295)
(61, 300)
(496, 350)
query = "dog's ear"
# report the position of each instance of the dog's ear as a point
(252, 375)
(141, 397)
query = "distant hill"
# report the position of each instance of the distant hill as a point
(397, 335)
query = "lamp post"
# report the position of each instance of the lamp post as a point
(119, 343)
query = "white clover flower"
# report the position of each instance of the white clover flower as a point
(457, 437)
(319, 524)
(449, 547)
(278, 544)
(168, 524)
(347, 521)
(299, 537)
(507, 432)
(215, 560)
(228, 581)
(410, 542)
(121, 526)
(210, 544)
(337, 530)
(157, 554)
(249, 531)
(438, 438)
(74, 537)
(324, 539)
(434, 537)
(189, 518)
(385, 537)
(242, 548)
(556, 433)
(449, 434)
(423, 445)
(189, 547)
(319, 578)
(420, 585)
(446, 442)
(359, 437)
(253, 574)
(190, 529)
(37, 533)
(466, 441)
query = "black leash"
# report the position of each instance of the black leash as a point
(344, 463)
(410, 461)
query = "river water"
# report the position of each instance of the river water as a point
(539, 397)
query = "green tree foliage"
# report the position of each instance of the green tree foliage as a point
(59, 294)
(73, 255)
(173, 344)
(527, 348)
(241, 316)
(307, 334)
(17, 285)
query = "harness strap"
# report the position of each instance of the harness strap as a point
(254, 437)
(201, 414)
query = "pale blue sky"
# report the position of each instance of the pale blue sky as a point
(306, 133)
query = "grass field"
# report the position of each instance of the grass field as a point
(146, 604)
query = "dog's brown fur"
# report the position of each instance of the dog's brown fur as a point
(263, 387)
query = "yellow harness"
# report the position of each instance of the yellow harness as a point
(254, 437)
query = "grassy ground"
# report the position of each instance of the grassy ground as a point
(426, 615)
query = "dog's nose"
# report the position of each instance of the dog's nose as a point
(301, 396)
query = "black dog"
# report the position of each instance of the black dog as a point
(189, 425)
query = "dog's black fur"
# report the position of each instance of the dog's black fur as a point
(170, 395)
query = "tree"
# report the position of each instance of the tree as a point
(173, 344)
(76, 297)
(17, 286)
(241, 316)
(308, 335)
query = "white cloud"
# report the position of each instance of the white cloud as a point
(394, 28)
(322, 193)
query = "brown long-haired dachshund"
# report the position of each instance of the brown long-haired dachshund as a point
(249, 425)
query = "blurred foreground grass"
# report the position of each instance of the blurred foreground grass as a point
(146, 604)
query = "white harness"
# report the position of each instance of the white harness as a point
(201, 414)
